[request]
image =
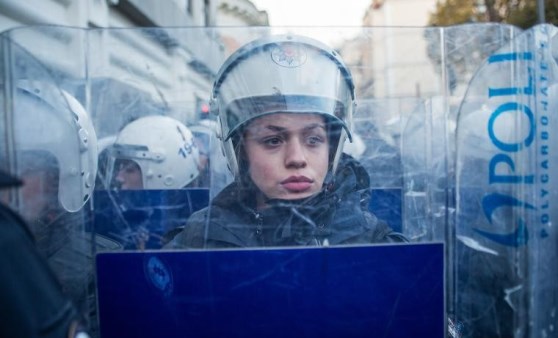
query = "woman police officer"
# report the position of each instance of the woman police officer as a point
(285, 106)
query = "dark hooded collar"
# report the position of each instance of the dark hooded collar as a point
(336, 212)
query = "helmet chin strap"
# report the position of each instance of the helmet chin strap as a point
(329, 182)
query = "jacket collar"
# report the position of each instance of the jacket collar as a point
(335, 213)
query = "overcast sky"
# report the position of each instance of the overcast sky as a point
(314, 12)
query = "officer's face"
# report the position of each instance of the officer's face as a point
(37, 194)
(203, 144)
(128, 175)
(287, 154)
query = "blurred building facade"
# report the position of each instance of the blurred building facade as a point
(401, 13)
(240, 13)
(383, 67)
(172, 58)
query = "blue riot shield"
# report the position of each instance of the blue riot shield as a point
(324, 292)
(145, 219)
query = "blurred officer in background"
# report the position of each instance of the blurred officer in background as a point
(46, 265)
(214, 171)
(33, 304)
(150, 162)
(55, 155)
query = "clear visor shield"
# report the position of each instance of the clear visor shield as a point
(126, 165)
(241, 111)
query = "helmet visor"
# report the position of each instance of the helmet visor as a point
(242, 111)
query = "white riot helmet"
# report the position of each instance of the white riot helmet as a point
(163, 148)
(283, 74)
(48, 119)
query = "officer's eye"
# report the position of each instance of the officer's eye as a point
(272, 141)
(315, 140)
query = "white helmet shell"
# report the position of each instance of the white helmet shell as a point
(164, 149)
(282, 74)
(49, 119)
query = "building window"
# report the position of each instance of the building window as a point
(189, 5)
(207, 12)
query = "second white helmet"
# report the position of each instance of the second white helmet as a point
(163, 148)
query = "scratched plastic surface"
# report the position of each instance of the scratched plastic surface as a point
(310, 292)
(458, 146)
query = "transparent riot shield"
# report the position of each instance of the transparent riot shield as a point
(50, 143)
(171, 108)
(505, 241)
(158, 140)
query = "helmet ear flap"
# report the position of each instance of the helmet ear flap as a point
(228, 148)
(338, 150)
(213, 107)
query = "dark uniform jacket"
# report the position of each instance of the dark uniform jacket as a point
(31, 298)
(338, 215)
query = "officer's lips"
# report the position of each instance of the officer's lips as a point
(297, 183)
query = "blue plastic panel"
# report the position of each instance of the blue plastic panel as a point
(139, 219)
(386, 205)
(364, 291)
